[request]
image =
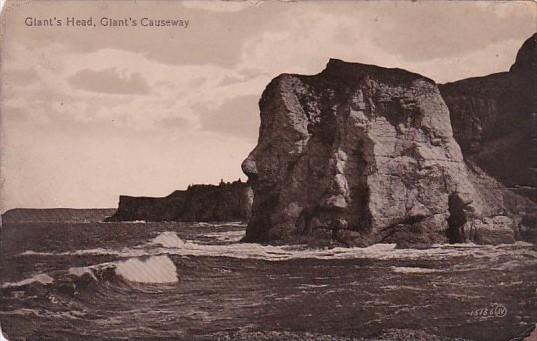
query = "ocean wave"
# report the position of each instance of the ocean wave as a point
(39, 278)
(124, 252)
(44, 313)
(169, 243)
(158, 269)
(81, 272)
(228, 236)
(168, 239)
(413, 270)
(145, 269)
(230, 223)
(154, 269)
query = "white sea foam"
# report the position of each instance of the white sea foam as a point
(202, 224)
(312, 286)
(228, 236)
(377, 251)
(168, 239)
(152, 269)
(155, 269)
(96, 251)
(73, 314)
(230, 223)
(2, 337)
(412, 270)
(169, 243)
(39, 278)
(80, 271)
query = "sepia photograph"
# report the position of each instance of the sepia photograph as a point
(260, 170)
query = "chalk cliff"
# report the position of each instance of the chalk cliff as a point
(223, 202)
(360, 154)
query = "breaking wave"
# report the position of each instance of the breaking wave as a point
(39, 278)
(190, 276)
(154, 269)
(170, 243)
(127, 273)
(168, 239)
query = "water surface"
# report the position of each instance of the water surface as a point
(179, 281)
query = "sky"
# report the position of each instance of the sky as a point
(89, 113)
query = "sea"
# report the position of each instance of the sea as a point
(197, 281)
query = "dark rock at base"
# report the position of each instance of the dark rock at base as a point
(223, 202)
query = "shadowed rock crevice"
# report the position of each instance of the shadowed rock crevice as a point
(457, 218)
(260, 229)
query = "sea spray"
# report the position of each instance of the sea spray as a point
(155, 269)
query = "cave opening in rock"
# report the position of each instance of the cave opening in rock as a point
(456, 220)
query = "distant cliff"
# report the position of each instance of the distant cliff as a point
(223, 202)
(53, 215)
(494, 120)
(359, 154)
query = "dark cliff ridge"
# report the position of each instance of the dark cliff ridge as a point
(359, 154)
(55, 215)
(223, 202)
(494, 120)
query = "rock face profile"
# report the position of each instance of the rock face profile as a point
(359, 154)
(223, 202)
(494, 120)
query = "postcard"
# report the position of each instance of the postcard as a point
(268, 170)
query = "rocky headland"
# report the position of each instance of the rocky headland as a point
(359, 154)
(494, 120)
(223, 202)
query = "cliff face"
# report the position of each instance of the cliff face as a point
(225, 202)
(494, 120)
(360, 154)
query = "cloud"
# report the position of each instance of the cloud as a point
(83, 108)
(173, 123)
(219, 6)
(214, 35)
(412, 31)
(421, 30)
(409, 35)
(103, 91)
(81, 169)
(14, 114)
(110, 81)
(21, 77)
(238, 117)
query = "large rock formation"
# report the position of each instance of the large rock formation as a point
(494, 120)
(360, 154)
(225, 202)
